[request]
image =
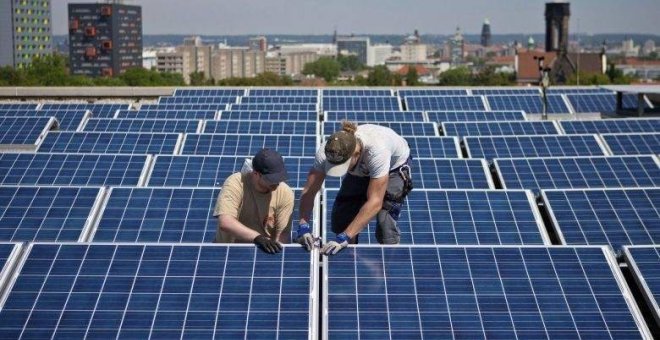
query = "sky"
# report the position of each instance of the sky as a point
(238, 17)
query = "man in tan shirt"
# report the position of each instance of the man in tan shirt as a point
(255, 205)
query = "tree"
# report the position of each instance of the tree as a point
(49, 70)
(488, 77)
(412, 79)
(616, 76)
(588, 79)
(460, 76)
(380, 76)
(325, 67)
(197, 79)
(350, 63)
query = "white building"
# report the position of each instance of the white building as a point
(322, 50)
(378, 54)
(413, 52)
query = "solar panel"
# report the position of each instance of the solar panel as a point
(18, 106)
(434, 147)
(71, 169)
(142, 125)
(98, 110)
(209, 92)
(527, 103)
(632, 144)
(611, 126)
(272, 107)
(211, 171)
(254, 127)
(47, 213)
(604, 103)
(459, 103)
(505, 91)
(432, 92)
(167, 114)
(402, 128)
(376, 116)
(357, 93)
(644, 262)
(269, 115)
(68, 120)
(197, 100)
(574, 90)
(499, 128)
(442, 173)
(280, 100)
(383, 103)
(246, 145)
(491, 147)
(283, 92)
(160, 291)
(615, 217)
(9, 252)
(110, 142)
(473, 116)
(183, 107)
(478, 293)
(24, 130)
(578, 172)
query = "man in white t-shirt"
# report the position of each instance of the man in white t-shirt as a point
(376, 163)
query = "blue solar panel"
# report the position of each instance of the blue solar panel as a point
(283, 92)
(182, 107)
(443, 173)
(574, 90)
(458, 103)
(110, 142)
(492, 147)
(24, 130)
(611, 126)
(209, 92)
(46, 213)
(644, 262)
(578, 173)
(211, 171)
(68, 120)
(382, 103)
(633, 144)
(272, 107)
(604, 103)
(499, 128)
(375, 116)
(402, 128)
(505, 91)
(101, 291)
(167, 114)
(197, 100)
(434, 147)
(615, 217)
(473, 116)
(478, 293)
(245, 145)
(18, 106)
(98, 110)
(356, 93)
(432, 92)
(254, 127)
(463, 217)
(142, 125)
(280, 100)
(71, 169)
(269, 115)
(527, 103)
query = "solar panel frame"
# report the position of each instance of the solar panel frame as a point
(269, 115)
(625, 125)
(197, 100)
(501, 128)
(121, 306)
(375, 116)
(362, 103)
(621, 144)
(357, 92)
(271, 92)
(209, 92)
(48, 213)
(141, 125)
(432, 92)
(10, 253)
(98, 110)
(279, 100)
(633, 257)
(62, 169)
(445, 103)
(404, 129)
(472, 116)
(642, 220)
(538, 171)
(17, 133)
(271, 107)
(111, 142)
(531, 104)
(18, 106)
(254, 127)
(216, 144)
(577, 90)
(167, 114)
(579, 146)
(392, 283)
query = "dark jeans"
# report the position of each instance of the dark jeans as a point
(353, 194)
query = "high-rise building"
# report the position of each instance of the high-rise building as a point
(557, 15)
(358, 46)
(289, 64)
(379, 53)
(233, 62)
(25, 31)
(485, 34)
(258, 44)
(105, 39)
(457, 47)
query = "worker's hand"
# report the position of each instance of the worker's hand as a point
(267, 245)
(333, 247)
(304, 236)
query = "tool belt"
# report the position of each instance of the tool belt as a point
(404, 172)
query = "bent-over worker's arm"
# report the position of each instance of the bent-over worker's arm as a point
(375, 195)
(315, 179)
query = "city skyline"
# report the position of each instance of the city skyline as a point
(238, 17)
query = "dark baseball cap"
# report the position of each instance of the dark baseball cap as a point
(270, 164)
(338, 152)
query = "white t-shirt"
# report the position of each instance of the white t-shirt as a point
(382, 150)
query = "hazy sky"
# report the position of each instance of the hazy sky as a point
(230, 17)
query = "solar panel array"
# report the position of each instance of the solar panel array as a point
(128, 196)
(604, 103)
(24, 130)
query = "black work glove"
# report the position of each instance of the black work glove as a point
(267, 245)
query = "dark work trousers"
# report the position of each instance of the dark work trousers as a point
(353, 194)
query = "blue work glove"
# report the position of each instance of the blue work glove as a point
(333, 247)
(304, 236)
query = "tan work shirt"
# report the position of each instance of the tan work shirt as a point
(268, 213)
